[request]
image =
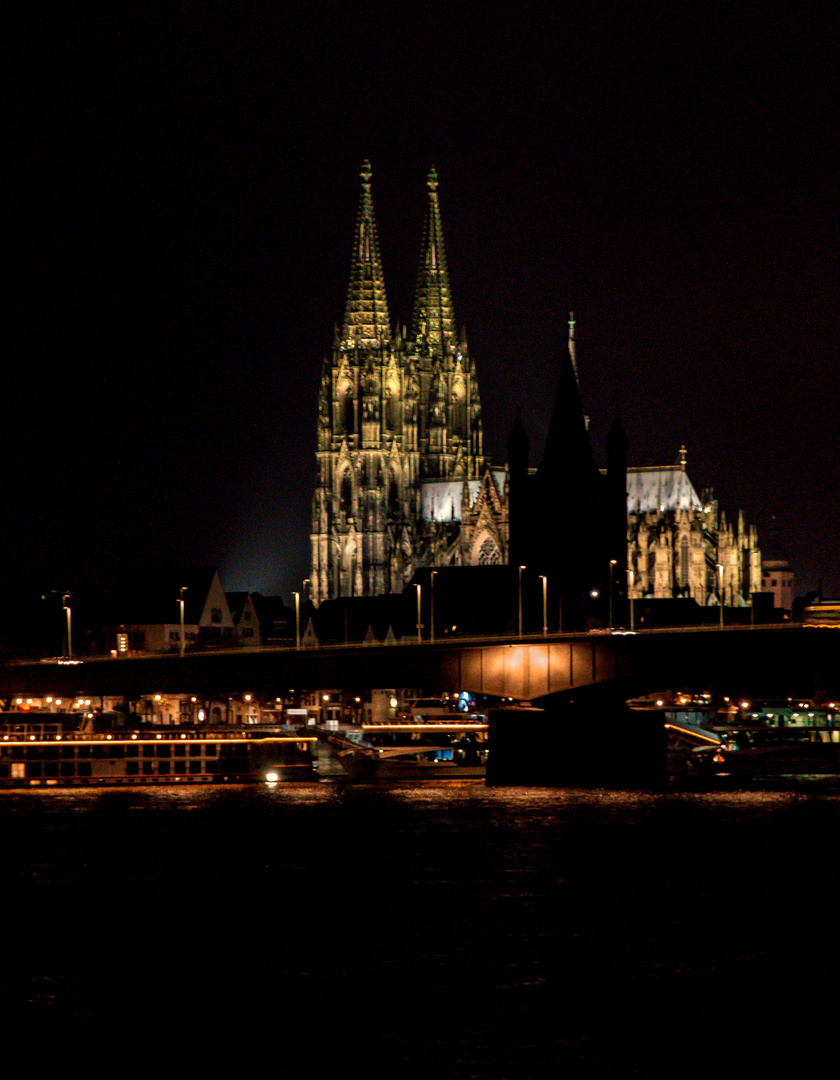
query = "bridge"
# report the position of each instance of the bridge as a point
(770, 661)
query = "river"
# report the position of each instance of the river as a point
(449, 930)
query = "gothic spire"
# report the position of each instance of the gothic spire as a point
(572, 351)
(366, 322)
(434, 318)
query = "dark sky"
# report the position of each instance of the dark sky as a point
(185, 184)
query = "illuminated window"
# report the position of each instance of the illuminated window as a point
(489, 554)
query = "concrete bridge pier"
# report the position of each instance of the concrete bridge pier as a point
(588, 738)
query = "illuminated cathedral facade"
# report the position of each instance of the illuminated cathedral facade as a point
(402, 480)
(680, 544)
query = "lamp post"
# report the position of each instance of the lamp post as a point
(612, 578)
(544, 580)
(521, 568)
(419, 621)
(432, 609)
(630, 580)
(66, 607)
(296, 595)
(182, 590)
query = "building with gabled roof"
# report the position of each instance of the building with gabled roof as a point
(147, 609)
(246, 623)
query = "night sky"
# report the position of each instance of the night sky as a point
(184, 191)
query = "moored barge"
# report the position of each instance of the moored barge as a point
(55, 754)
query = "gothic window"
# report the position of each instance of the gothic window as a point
(392, 406)
(346, 494)
(488, 553)
(393, 495)
(684, 562)
(651, 566)
(347, 417)
(459, 411)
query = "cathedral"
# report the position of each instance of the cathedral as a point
(402, 480)
(682, 545)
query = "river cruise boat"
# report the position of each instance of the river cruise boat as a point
(455, 750)
(68, 752)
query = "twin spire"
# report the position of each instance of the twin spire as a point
(366, 322)
(434, 319)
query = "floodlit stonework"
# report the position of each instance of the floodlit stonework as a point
(681, 545)
(400, 444)
(402, 482)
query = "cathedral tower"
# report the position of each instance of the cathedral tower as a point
(391, 413)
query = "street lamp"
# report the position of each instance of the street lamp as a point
(296, 595)
(419, 621)
(612, 578)
(521, 568)
(544, 580)
(432, 609)
(66, 607)
(182, 590)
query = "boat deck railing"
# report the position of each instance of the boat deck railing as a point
(55, 733)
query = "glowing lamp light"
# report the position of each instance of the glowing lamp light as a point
(394, 703)
(271, 777)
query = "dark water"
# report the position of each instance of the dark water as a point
(423, 931)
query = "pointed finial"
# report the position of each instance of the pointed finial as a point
(366, 174)
(683, 457)
(572, 344)
(432, 181)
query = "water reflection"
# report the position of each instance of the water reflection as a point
(452, 929)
